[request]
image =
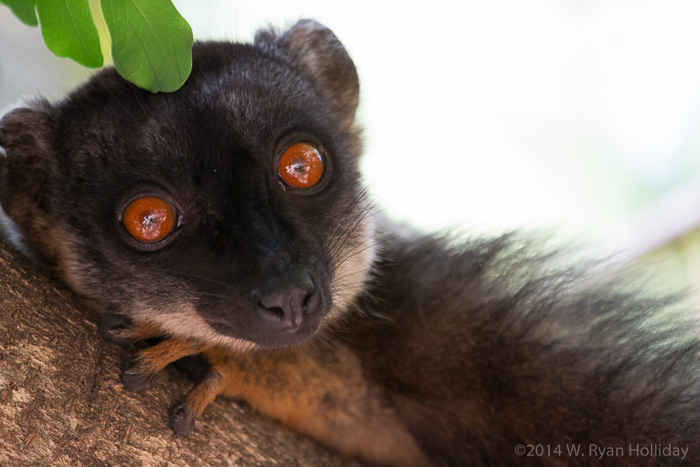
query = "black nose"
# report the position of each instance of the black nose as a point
(286, 302)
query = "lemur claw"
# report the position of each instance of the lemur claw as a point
(181, 421)
(113, 328)
(133, 378)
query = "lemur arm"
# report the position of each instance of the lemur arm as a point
(320, 393)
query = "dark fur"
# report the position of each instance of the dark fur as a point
(477, 346)
(477, 367)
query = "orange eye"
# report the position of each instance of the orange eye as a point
(149, 219)
(301, 166)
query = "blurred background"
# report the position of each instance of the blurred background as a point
(577, 115)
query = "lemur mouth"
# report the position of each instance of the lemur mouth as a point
(280, 339)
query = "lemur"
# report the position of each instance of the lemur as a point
(229, 220)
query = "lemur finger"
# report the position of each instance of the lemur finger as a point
(138, 371)
(132, 376)
(120, 330)
(184, 413)
(181, 419)
(115, 329)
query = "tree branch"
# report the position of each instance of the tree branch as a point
(61, 401)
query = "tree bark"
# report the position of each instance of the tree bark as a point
(62, 403)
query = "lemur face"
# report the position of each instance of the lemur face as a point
(228, 210)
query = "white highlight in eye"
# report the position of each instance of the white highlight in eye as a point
(149, 220)
(299, 172)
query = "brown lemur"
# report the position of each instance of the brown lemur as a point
(228, 218)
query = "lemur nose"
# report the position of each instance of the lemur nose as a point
(287, 302)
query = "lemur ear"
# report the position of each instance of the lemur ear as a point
(26, 165)
(320, 54)
(27, 153)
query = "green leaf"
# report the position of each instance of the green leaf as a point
(69, 31)
(24, 10)
(151, 43)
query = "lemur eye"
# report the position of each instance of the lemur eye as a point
(301, 166)
(149, 219)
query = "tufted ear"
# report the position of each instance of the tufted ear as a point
(26, 167)
(317, 51)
